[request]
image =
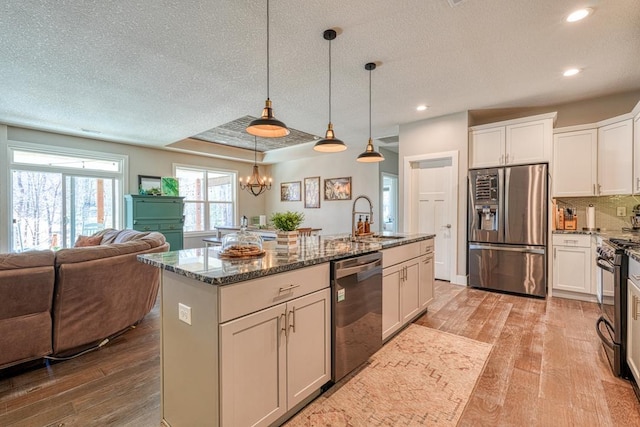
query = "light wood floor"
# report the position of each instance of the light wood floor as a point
(547, 368)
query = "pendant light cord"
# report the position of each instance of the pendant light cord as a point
(329, 81)
(369, 104)
(267, 49)
(255, 150)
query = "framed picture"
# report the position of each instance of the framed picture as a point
(149, 185)
(290, 191)
(337, 188)
(170, 186)
(312, 192)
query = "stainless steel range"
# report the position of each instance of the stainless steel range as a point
(613, 270)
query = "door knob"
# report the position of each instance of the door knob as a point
(448, 225)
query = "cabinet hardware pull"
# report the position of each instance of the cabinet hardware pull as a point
(594, 189)
(292, 324)
(506, 158)
(288, 288)
(637, 184)
(501, 159)
(283, 323)
(635, 307)
(554, 252)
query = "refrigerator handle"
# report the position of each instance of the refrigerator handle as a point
(505, 201)
(526, 249)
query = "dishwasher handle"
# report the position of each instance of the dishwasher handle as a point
(357, 265)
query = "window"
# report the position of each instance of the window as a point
(209, 197)
(58, 194)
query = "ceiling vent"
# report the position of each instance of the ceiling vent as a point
(454, 3)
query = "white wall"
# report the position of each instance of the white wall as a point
(438, 135)
(334, 217)
(142, 161)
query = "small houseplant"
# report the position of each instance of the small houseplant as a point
(287, 223)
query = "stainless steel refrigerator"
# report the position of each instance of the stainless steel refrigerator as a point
(508, 228)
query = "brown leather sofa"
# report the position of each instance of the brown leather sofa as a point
(59, 303)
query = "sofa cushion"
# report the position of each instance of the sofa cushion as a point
(154, 239)
(128, 235)
(25, 338)
(84, 241)
(73, 255)
(27, 259)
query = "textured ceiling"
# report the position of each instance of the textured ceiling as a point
(154, 73)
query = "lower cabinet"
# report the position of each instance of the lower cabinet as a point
(633, 328)
(573, 258)
(407, 287)
(273, 359)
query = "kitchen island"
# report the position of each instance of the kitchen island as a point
(248, 342)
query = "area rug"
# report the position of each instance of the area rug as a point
(421, 377)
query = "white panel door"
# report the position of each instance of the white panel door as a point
(308, 345)
(253, 371)
(434, 216)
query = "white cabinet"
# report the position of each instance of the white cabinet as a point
(594, 161)
(252, 352)
(633, 319)
(636, 154)
(520, 141)
(400, 299)
(573, 264)
(575, 163)
(273, 359)
(615, 162)
(407, 284)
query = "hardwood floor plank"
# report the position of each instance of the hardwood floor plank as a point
(547, 368)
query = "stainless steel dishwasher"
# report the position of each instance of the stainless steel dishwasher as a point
(357, 311)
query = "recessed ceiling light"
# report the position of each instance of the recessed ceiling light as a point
(579, 14)
(571, 72)
(421, 107)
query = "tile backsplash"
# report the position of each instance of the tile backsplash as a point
(606, 209)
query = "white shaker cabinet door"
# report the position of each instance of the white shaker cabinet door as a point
(253, 371)
(487, 147)
(426, 280)
(572, 269)
(575, 163)
(391, 319)
(528, 142)
(308, 345)
(615, 159)
(633, 329)
(636, 154)
(409, 290)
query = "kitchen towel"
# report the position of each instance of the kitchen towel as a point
(591, 217)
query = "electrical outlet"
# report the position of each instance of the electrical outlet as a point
(184, 313)
(621, 211)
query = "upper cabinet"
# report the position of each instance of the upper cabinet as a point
(575, 164)
(615, 162)
(512, 142)
(593, 160)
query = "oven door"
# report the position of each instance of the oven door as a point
(605, 287)
(607, 326)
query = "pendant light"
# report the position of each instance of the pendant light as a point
(255, 185)
(330, 144)
(267, 126)
(370, 155)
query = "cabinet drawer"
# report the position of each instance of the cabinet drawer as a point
(578, 240)
(426, 247)
(400, 254)
(157, 209)
(247, 297)
(171, 226)
(146, 227)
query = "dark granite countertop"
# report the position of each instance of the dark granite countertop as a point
(205, 265)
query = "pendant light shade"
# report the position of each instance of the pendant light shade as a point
(267, 126)
(330, 144)
(370, 155)
(255, 185)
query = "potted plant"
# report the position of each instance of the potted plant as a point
(287, 224)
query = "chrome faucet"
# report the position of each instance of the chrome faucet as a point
(354, 213)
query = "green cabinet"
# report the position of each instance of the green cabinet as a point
(157, 213)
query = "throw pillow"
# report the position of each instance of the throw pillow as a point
(84, 241)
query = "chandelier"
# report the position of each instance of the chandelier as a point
(255, 185)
